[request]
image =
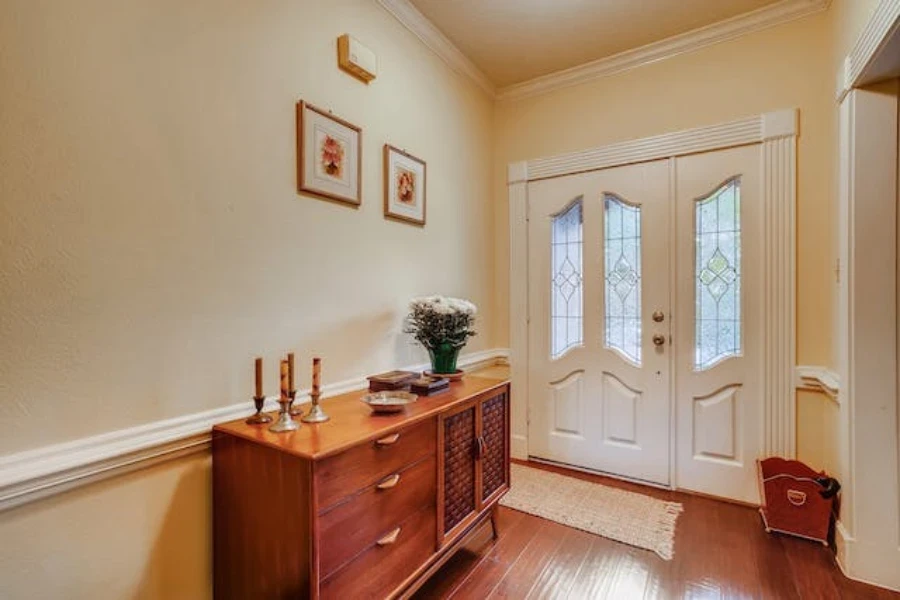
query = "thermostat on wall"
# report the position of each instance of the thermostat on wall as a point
(356, 59)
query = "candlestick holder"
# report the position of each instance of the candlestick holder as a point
(259, 418)
(297, 410)
(285, 422)
(316, 414)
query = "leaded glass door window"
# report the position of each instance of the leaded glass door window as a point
(717, 276)
(566, 311)
(622, 278)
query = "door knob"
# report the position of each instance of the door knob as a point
(659, 339)
(659, 316)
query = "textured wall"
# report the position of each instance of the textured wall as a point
(142, 536)
(151, 238)
(152, 243)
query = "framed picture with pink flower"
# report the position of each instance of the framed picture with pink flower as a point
(404, 186)
(329, 156)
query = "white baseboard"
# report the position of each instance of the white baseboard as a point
(34, 474)
(866, 563)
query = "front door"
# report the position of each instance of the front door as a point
(645, 321)
(599, 265)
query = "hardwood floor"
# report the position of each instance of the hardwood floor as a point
(721, 551)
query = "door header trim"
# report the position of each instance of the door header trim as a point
(751, 130)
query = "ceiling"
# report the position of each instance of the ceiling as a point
(516, 40)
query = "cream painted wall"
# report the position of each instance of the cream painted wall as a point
(151, 239)
(142, 536)
(819, 420)
(152, 243)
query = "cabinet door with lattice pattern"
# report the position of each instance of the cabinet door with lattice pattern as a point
(494, 433)
(458, 490)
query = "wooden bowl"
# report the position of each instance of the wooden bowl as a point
(388, 402)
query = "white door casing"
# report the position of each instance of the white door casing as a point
(600, 399)
(775, 136)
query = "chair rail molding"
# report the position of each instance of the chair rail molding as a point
(723, 31)
(776, 133)
(819, 379)
(33, 474)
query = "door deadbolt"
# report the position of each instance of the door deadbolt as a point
(659, 316)
(659, 339)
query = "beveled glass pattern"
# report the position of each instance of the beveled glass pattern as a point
(622, 260)
(566, 281)
(718, 276)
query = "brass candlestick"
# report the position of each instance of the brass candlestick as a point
(285, 422)
(259, 418)
(316, 414)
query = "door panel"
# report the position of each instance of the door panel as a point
(718, 342)
(599, 254)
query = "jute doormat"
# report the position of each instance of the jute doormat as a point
(627, 517)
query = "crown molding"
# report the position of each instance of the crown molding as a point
(50, 470)
(855, 70)
(410, 17)
(768, 16)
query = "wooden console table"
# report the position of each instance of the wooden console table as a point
(362, 506)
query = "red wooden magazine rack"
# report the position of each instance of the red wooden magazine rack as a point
(794, 499)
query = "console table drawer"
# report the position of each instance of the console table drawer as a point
(388, 562)
(350, 527)
(346, 473)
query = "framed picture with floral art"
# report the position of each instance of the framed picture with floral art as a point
(329, 156)
(404, 186)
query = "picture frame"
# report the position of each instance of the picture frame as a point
(405, 180)
(329, 156)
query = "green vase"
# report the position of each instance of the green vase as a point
(443, 358)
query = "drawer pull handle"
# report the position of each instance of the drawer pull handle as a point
(389, 538)
(387, 441)
(390, 482)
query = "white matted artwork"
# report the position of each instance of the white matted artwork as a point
(329, 156)
(404, 186)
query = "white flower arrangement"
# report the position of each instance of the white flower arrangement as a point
(437, 320)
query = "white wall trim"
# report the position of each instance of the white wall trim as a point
(857, 68)
(819, 379)
(867, 336)
(776, 132)
(33, 474)
(517, 178)
(753, 130)
(437, 42)
(763, 18)
(779, 184)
